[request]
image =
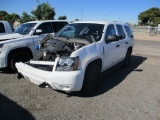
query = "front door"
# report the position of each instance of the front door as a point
(111, 49)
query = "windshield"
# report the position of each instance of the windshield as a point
(89, 31)
(25, 28)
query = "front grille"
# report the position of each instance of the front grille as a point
(42, 67)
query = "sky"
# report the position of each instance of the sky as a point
(86, 10)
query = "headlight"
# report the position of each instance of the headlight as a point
(1, 45)
(67, 64)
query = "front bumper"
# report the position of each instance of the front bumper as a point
(59, 80)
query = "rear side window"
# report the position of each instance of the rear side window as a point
(2, 29)
(58, 25)
(129, 31)
(121, 32)
(46, 28)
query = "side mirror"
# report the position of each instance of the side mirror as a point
(38, 32)
(112, 38)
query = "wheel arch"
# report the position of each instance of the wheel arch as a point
(130, 49)
(26, 49)
(97, 61)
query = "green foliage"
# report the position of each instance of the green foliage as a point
(44, 12)
(25, 17)
(150, 17)
(9, 17)
(14, 17)
(62, 18)
(3, 13)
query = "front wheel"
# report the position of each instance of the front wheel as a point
(90, 80)
(19, 56)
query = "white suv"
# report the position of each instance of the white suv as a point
(20, 46)
(75, 57)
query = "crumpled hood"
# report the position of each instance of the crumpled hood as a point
(10, 36)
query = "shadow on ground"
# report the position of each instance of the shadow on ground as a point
(6, 71)
(112, 78)
(109, 81)
(10, 110)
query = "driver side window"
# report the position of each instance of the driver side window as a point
(110, 31)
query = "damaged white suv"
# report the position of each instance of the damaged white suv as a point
(73, 59)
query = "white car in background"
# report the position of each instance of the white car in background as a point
(5, 27)
(20, 46)
(75, 57)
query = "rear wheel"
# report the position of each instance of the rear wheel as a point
(127, 59)
(90, 80)
(19, 56)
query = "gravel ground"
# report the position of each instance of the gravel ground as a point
(126, 94)
(145, 36)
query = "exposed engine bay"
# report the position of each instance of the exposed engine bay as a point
(52, 47)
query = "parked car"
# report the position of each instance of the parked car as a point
(5, 27)
(20, 46)
(79, 52)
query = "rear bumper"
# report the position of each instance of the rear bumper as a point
(66, 81)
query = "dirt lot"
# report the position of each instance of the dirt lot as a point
(146, 36)
(126, 94)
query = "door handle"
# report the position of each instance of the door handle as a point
(126, 42)
(117, 45)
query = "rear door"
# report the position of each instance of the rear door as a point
(123, 42)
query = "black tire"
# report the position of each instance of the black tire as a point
(19, 56)
(91, 79)
(127, 59)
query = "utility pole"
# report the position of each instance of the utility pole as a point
(81, 14)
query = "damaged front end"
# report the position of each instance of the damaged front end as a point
(51, 49)
(49, 66)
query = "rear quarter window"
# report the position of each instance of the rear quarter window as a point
(129, 31)
(46, 27)
(58, 25)
(2, 29)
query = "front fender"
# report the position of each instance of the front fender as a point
(14, 45)
(88, 53)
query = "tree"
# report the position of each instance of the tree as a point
(14, 17)
(150, 17)
(2, 14)
(44, 12)
(62, 18)
(8, 18)
(25, 17)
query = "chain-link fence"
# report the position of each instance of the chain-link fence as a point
(146, 30)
